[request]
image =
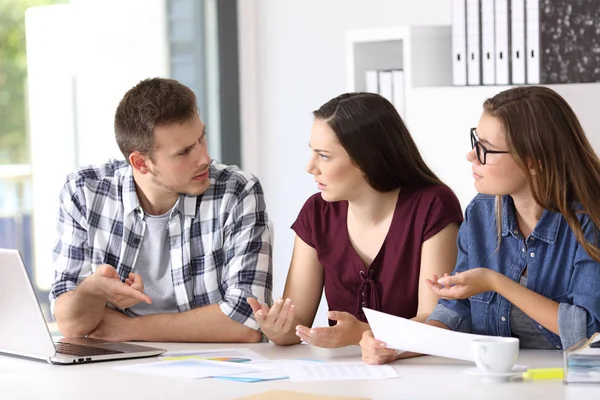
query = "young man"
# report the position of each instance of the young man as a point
(167, 245)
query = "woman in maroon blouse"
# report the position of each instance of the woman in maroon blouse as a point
(382, 223)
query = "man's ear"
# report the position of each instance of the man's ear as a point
(139, 162)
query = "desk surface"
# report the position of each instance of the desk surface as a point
(420, 378)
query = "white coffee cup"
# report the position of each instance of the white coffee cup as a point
(495, 354)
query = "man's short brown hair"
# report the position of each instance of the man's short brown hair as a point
(151, 103)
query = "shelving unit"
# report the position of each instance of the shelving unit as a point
(437, 113)
(424, 53)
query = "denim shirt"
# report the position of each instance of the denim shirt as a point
(558, 268)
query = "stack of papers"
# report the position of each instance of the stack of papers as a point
(244, 365)
(293, 395)
(255, 376)
(236, 364)
(305, 371)
(582, 361)
(236, 355)
(188, 368)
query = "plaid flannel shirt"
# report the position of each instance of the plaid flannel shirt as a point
(220, 244)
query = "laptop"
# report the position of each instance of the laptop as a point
(24, 332)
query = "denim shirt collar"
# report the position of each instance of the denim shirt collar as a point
(546, 228)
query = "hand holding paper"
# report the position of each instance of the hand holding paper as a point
(403, 334)
(375, 352)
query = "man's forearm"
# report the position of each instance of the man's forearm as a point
(78, 312)
(207, 324)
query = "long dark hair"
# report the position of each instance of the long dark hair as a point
(544, 134)
(372, 132)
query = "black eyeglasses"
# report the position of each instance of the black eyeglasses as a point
(480, 150)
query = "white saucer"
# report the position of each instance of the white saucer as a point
(494, 376)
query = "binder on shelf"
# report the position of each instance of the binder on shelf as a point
(385, 84)
(488, 56)
(568, 47)
(533, 41)
(502, 50)
(371, 81)
(459, 42)
(473, 43)
(517, 34)
(398, 92)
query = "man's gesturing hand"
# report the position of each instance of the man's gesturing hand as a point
(107, 284)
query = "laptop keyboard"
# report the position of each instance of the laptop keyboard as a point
(82, 350)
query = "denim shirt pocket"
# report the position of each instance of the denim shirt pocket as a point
(481, 313)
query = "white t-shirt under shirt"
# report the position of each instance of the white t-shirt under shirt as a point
(154, 265)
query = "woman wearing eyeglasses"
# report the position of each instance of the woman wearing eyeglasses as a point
(382, 223)
(528, 261)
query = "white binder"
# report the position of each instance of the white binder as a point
(517, 15)
(488, 56)
(459, 42)
(473, 43)
(371, 81)
(502, 50)
(533, 41)
(398, 92)
(385, 85)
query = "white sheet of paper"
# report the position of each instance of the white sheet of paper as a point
(188, 368)
(335, 371)
(215, 354)
(256, 376)
(403, 334)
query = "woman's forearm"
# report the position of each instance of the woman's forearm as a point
(539, 308)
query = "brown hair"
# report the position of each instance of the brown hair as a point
(149, 104)
(544, 134)
(379, 144)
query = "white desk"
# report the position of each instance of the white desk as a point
(420, 378)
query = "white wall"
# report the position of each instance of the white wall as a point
(116, 44)
(82, 58)
(51, 122)
(292, 61)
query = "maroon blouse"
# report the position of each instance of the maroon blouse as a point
(391, 283)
